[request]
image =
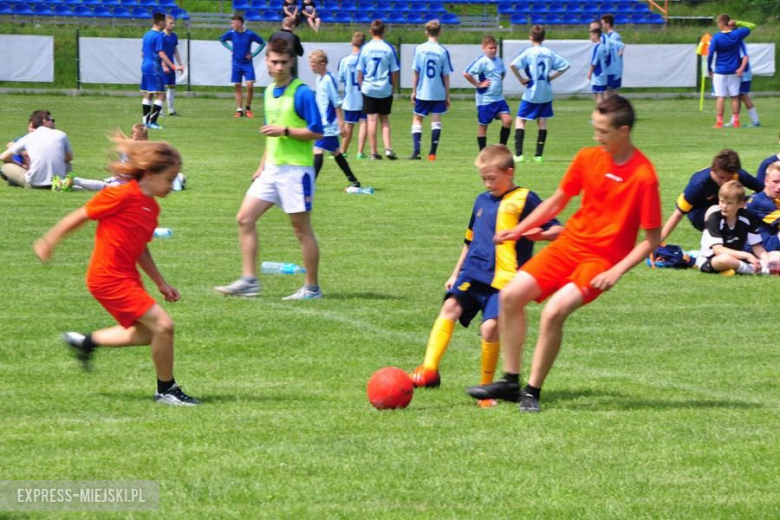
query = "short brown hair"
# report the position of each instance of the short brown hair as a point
(318, 56)
(488, 40)
(727, 160)
(143, 157)
(619, 110)
(433, 28)
(608, 18)
(723, 18)
(358, 39)
(377, 27)
(496, 156)
(537, 33)
(595, 30)
(238, 17)
(732, 190)
(158, 17)
(39, 117)
(279, 46)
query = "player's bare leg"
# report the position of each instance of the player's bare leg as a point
(372, 138)
(384, 120)
(250, 92)
(239, 99)
(248, 214)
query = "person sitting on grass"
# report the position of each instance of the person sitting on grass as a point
(483, 267)
(728, 229)
(765, 208)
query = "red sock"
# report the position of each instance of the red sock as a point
(736, 119)
(719, 119)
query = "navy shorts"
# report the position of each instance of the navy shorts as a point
(613, 82)
(152, 82)
(696, 216)
(242, 70)
(423, 108)
(598, 88)
(330, 143)
(352, 117)
(532, 111)
(474, 297)
(491, 111)
(169, 78)
(744, 87)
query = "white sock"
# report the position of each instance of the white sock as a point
(169, 97)
(89, 184)
(753, 115)
(745, 268)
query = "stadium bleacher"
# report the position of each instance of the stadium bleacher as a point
(104, 9)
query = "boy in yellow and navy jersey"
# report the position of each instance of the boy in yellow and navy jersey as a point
(484, 268)
(702, 190)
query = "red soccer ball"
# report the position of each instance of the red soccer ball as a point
(390, 388)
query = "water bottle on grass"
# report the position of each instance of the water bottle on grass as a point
(280, 268)
(352, 190)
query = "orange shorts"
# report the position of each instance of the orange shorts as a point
(559, 264)
(125, 300)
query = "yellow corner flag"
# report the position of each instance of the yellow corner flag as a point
(703, 49)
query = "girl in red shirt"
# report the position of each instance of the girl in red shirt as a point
(126, 218)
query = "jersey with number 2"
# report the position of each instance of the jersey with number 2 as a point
(537, 63)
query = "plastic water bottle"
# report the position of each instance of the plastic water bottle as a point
(280, 268)
(359, 191)
(163, 232)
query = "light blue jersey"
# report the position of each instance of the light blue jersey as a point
(347, 75)
(747, 75)
(483, 68)
(431, 62)
(615, 62)
(538, 62)
(327, 97)
(598, 59)
(377, 61)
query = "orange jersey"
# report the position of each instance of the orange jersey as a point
(126, 221)
(617, 200)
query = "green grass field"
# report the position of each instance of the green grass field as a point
(663, 402)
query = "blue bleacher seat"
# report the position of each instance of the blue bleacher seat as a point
(436, 7)
(622, 7)
(590, 7)
(415, 17)
(349, 5)
(167, 3)
(252, 15)
(240, 5)
(402, 7)
(158, 9)
(20, 8)
(271, 16)
(377, 15)
(258, 5)
(656, 18)
(361, 17)
(330, 5)
(62, 10)
(640, 7)
(275, 5)
(43, 10)
(5, 8)
(327, 16)
(139, 12)
(621, 18)
(395, 17)
(518, 19)
(343, 17)
(506, 8)
(522, 8)
(570, 18)
(122, 12)
(180, 14)
(128, 3)
(101, 11)
(365, 5)
(82, 10)
(68, 2)
(554, 7)
(608, 7)
(148, 3)
(109, 3)
(450, 19)
(537, 19)
(430, 16)
(537, 7)
(572, 7)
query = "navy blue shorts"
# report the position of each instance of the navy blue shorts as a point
(533, 111)
(169, 78)
(330, 144)
(474, 297)
(352, 117)
(423, 108)
(152, 82)
(598, 88)
(696, 216)
(491, 111)
(744, 87)
(772, 243)
(614, 83)
(242, 70)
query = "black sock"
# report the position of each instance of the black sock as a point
(536, 392)
(504, 135)
(512, 378)
(344, 165)
(317, 164)
(147, 109)
(88, 344)
(164, 386)
(248, 108)
(435, 136)
(540, 143)
(156, 109)
(519, 136)
(482, 142)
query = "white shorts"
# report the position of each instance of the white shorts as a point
(725, 85)
(289, 187)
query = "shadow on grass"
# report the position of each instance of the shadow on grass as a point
(362, 296)
(594, 400)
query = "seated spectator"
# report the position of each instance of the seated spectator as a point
(309, 11)
(48, 150)
(702, 190)
(729, 228)
(765, 208)
(140, 133)
(761, 172)
(290, 9)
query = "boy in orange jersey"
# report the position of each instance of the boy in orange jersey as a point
(619, 190)
(126, 218)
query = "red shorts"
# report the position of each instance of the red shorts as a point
(559, 264)
(125, 300)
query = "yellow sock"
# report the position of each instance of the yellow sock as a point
(441, 333)
(490, 353)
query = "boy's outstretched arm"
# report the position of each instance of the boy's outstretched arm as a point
(548, 209)
(606, 280)
(454, 276)
(44, 246)
(671, 223)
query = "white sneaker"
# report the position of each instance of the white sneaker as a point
(304, 294)
(175, 396)
(239, 288)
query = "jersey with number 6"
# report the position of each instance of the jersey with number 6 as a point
(431, 62)
(537, 63)
(347, 76)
